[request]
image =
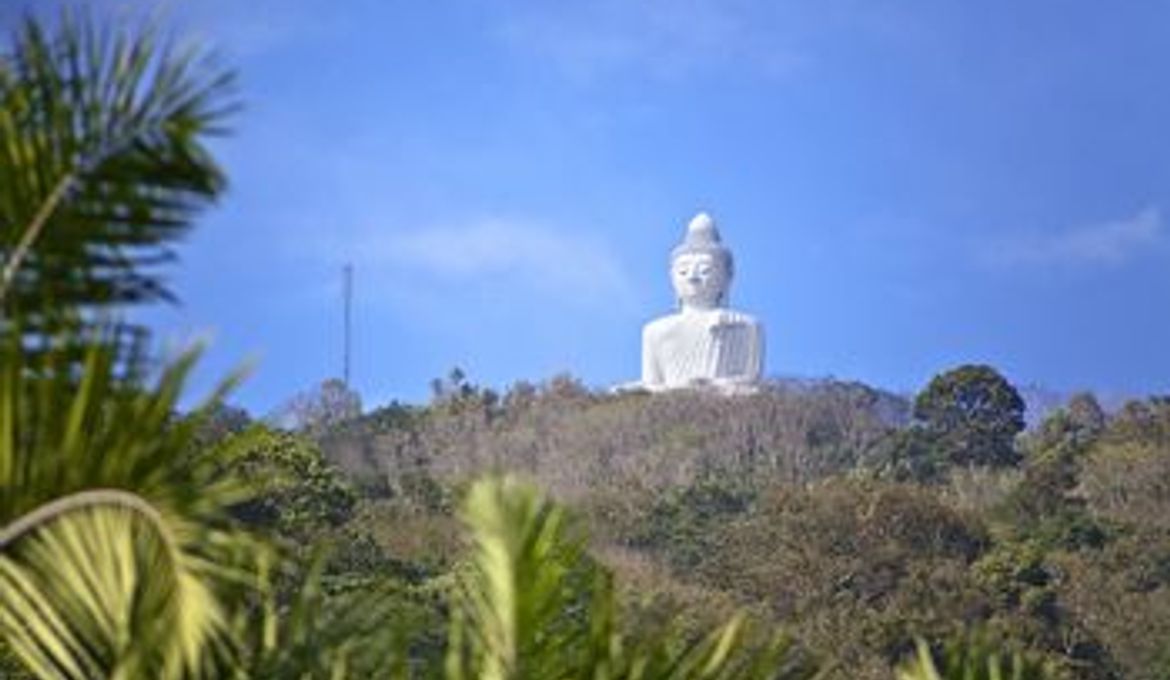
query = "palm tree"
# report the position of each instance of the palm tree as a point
(103, 163)
(115, 553)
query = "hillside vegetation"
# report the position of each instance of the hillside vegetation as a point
(854, 519)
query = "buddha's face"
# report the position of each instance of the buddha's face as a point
(700, 280)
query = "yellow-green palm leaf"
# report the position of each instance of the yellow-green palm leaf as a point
(115, 547)
(103, 163)
(97, 585)
(530, 604)
(972, 659)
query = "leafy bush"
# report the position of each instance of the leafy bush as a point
(292, 489)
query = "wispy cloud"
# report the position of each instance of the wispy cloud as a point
(660, 37)
(1105, 244)
(535, 260)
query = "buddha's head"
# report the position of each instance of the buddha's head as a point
(701, 267)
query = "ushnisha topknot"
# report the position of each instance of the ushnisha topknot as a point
(703, 237)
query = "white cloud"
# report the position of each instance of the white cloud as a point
(536, 260)
(1110, 243)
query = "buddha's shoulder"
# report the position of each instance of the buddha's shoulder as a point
(662, 324)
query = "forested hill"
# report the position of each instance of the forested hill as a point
(857, 520)
(575, 441)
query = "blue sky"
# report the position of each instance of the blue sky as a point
(906, 186)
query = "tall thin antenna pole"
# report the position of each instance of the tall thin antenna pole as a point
(347, 292)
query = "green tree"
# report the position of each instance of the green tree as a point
(971, 415)
(1047, 505)
(294, 491)
(1070, 430)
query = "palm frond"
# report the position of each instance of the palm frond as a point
(97, 585)
(313, 633)
(515, 601)
(972, 658)
(103, 162)
(116, 550)
(530, 604)
(111, 522)
(79, 416)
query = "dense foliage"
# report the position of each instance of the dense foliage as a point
(789, 504)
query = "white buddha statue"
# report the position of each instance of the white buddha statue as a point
(704, 344)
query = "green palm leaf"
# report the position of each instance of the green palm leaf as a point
(972, 659)
(530, 604)
(102, 162)
(115, 547)
(312, 633)
(516, 593)
(115, 550)
(96, 585)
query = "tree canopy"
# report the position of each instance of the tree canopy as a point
(973, 413)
